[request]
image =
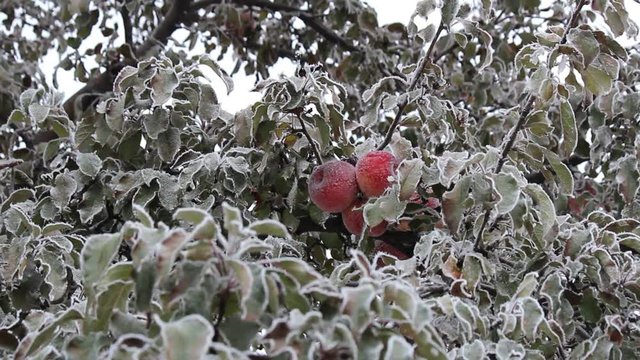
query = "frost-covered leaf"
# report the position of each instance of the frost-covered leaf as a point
(97, 254)
(169, 144)
(509, 190)
(228, 82)
(597, 80)
(409, 175)
(398, 348)
(89, 163)
(186, 338)
(64, 187)
(387, 207)
(586, 43)
(569, 128)
(270, 227)
(453, 203)
(156, 123)
(162, 85)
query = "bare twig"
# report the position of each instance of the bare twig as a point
(414, 81)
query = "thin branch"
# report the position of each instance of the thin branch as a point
(326, 32)
(574, 20)
(126, 22)
(514, 133)
(501, 161)
(9, 163)
(414, 81)
(316, 152)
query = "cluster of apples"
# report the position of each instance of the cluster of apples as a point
(334, 187)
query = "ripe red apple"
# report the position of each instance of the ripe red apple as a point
(353, 220)
(373, 171)
(333, 186)
(381, 246)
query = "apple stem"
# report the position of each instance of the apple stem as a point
(414, 81)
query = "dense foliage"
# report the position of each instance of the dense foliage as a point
(140, 220)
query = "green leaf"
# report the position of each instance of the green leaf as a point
(586, 43)
(186, 338)
(544, 205)
(156, 123)
(409, 175)
(89, 163)
(453, 204)
(509, 189)
(449, 11)
(569, 128)
(169, 144)
(162, 85)
(270, 227)
(64, 188)
(398, 349)
(97, 255)
(596, 80)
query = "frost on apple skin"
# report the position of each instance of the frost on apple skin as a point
(353, 220)
(373, 171)
(333, 186)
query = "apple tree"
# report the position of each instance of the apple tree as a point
(460, 186)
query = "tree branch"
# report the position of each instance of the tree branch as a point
(104, 82)
(514, 133)
(504, 154)
(316, 152)
(126, 23)
(308, 18)
(574, 20)
(414, 81)
(9, 163)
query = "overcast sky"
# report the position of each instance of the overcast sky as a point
(389, 11)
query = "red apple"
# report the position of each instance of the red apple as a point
(373, 171)
(333, 186)
(353, 220)
(381, 246)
